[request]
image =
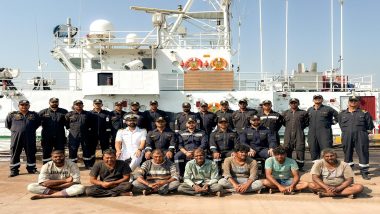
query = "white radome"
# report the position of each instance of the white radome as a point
(101, 27)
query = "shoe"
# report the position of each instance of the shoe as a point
(271, 191)
(352, 196)
(365, 176)
(320, 194)
(13, 174)
(146, 192)
(219, 194)
(34, 171)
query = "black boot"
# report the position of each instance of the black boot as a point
(364, 172)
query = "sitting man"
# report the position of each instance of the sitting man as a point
(282, 173)
(158, 175)
(332, 177)
(201, 176)
(240, 172)
(58, 178)
(113, 177)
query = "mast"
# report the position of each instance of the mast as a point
(342, 84)
(261, 43)
(332, 42)
(286, 43)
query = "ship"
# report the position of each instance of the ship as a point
(186, 56)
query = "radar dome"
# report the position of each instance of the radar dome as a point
(101, 28)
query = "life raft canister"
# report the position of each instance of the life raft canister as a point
(213, 107)
(193, 64)
(219, 64)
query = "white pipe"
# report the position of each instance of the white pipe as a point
(341, 45)
(261, 43)
(286, 43)
(332, 43)
(178, 22)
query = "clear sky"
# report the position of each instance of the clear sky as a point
(26, 31)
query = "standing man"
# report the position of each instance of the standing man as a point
(23, 125)
(161, 138)
(53, 136)
(152, 114)
(59, 178)
(270, 119)
(182, 117)
(188, 141)
(135, 109)
(207, 118)
(295, 121)
(225, 112)
(321, 118)
(117, 121)
(356, 124)
(240, 117)
(101, 127)
(113, 177)
(79, 123)
(201, 176)
(130, 142)
(260, 140)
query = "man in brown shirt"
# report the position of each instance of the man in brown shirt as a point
(240, 172)
(332, 177)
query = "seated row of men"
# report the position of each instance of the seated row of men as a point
(111, 177)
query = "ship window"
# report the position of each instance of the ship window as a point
(148, 63)
(105, 79)
(95, 64)
(77, 62)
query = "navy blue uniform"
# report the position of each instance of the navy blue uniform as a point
(189, 141)
(355, 127)
(223, 142)
(116, 119)
(165, 140)
(23, 136)
(320, 133)
(151, 116)
(260, 140)
(53, 136)
(227, 115)
(100, 130)
(240, 119)
(208, 121)
(79, 125)
(294, 137)
(182, 118)
(272, 121)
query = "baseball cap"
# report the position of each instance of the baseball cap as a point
(223, 102)
(254, 117)
(294, 100)
(98, 101)
(266, 102)
(242, 101)
(354, 98)
(204, 104)
(153, 102)
(77, 102)
(190, 120)
(135, 103)
(223, 119)
(160, 119)
(117, 103)
(53, 99)
(186, 104)
(23, 102)
(317, 96)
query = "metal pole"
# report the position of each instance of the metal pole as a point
(342, 84)
(261, 43)
(332, 44)
(286, 43)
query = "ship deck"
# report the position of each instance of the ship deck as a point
(15, 199)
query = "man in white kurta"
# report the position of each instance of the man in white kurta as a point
(130, 142)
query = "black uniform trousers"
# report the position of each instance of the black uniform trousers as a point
(50, 143)
(74, 143)
(358, 140)
(19, 142)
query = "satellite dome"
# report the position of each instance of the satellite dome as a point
(101, 27)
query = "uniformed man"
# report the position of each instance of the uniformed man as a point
(135, 109)
(161, 138)
(182, 117)
(356, 124)
(321, 118)
(222, 141)
(152, 114)
(188, 141)
(295, 121)
(207, 118)
(259, 138)
(116, 116)
(79, 123)
(53, 134)
(23, 125)
(225, 112)
(101, 127)
(272, 120)
(240, 117)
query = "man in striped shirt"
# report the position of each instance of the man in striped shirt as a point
(158, 175)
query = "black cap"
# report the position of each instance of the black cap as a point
(97, 101)
(160, 119)
(354, 98)
(223, 119)
(204, 104)
(190, 120)
(131, 117)
(153, 102)
(23, 102)
(266, 102)
(317, 96)
(135, 103)
(294, 100)
(77, 102)
(53, 99)
(186, 104)
(223, 102)
(254, 117)
(243, 101)
(118, 103)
